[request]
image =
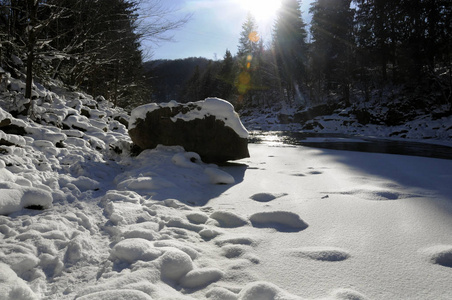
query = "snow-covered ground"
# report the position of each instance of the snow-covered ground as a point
(82, 221)
(429, 127)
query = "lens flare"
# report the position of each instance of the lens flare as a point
(254, 37)
(244, 82)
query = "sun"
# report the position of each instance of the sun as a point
(262, 10)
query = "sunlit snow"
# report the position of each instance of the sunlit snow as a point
(82, 219)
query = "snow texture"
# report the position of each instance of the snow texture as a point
(80, 218)
(219, 108)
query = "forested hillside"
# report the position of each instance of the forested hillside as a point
(94, 46)
(354, 51)
(361, 51)
(169, 77)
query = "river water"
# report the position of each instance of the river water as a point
(352, 143)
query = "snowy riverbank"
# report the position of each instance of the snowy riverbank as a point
(82, 219)
(378, 228)
(432, 127)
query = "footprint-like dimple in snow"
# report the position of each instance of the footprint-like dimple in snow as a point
(237, 241)
(234, 251)
(347, 294)
(440, 254)
(320, 253)
(298, 174)
(315, 172)
(376, 194)
(266, 197)
(228, 219)
(279, 220)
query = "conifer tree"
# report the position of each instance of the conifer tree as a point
(226, 77)
(332, 33)
(248, 60)
(290, 47)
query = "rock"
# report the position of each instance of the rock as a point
(210, 128)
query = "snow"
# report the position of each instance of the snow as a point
(81, 221)
(424, 128)
(284, 220)
(217, 107)
(12, 287)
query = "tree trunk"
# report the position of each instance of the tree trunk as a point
(33, 11)
(29, 81)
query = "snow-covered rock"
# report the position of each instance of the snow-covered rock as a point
(210, 128)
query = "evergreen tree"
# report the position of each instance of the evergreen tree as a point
(208, 82)
(290, 47)
(378, 31)
(249, 59)
(405, 36)
(332, 33)
(226, 77)
(249, 37)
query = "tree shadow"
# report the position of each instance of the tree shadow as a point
(198, 193)
(429, 177)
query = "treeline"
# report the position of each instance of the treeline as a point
(168, 78)
(91, 45)
(354, 48)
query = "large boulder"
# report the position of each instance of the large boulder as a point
(210, 128)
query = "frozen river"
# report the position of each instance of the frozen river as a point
(353, 143)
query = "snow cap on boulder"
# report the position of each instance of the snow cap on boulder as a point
(210, 128)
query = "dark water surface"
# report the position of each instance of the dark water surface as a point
(352, 143)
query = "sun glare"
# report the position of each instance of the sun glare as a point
(262, 10)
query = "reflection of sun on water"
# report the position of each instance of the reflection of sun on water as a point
(262, 10)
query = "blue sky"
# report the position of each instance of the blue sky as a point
(215, 26)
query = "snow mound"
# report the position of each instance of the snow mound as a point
(201, 277)
(440, 254)
(14, 197)
(13, 287)
(348, 294)
(264, 291)
(228, 219)
(217, 176)
(123, 294)
(186, 159)
(174, 264)
(280, 220)
(197, 217)
(320, 253)
(219, 293)
(193, 253)
(131, 250)
(267, 197)
(208, 234)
